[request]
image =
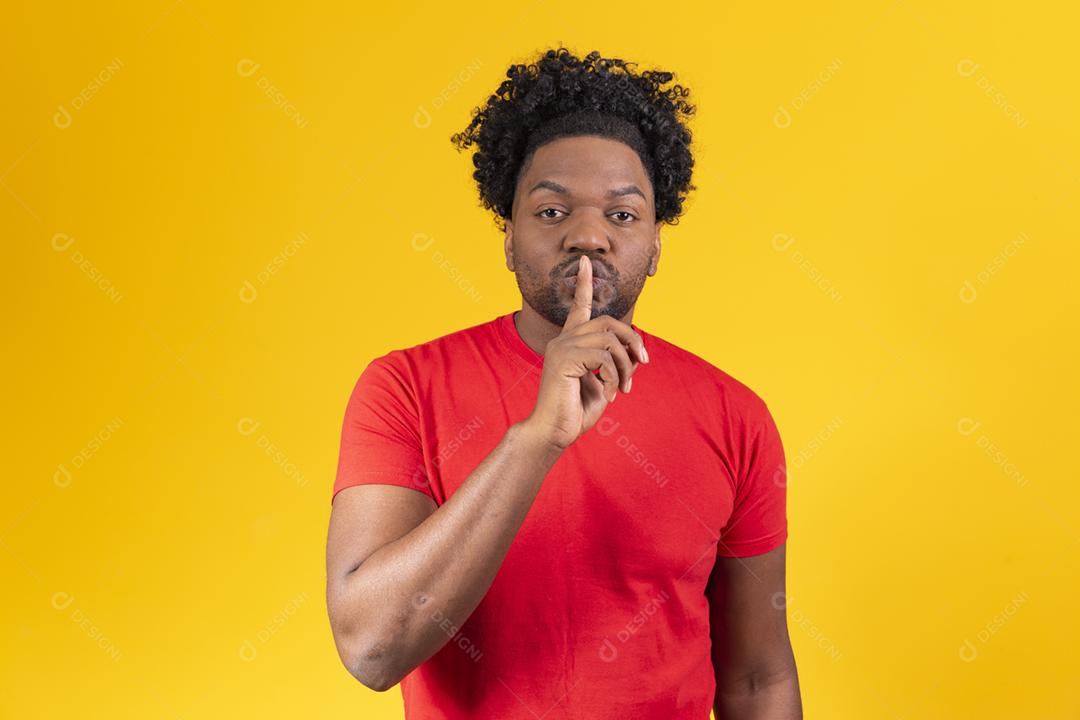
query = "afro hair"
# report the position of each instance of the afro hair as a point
(561, 95)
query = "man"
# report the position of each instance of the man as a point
(508, 541)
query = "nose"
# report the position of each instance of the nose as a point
(586, 233)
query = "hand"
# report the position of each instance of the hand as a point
(571, 398)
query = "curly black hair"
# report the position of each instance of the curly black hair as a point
(561, 95)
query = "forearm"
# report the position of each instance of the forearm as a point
(773, 698)
(406, 593)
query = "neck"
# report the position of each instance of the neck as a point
(537, 331)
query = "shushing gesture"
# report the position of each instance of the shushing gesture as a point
(572, 398)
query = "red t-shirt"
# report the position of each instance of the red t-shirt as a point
(599, 609)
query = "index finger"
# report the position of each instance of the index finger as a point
(581, 310)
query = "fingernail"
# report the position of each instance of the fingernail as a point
(629, 384)
(644, 353)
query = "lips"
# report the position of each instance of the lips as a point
(598, 272)
(571, 281)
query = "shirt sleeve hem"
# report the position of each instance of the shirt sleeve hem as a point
(753, 547)
(401, 478)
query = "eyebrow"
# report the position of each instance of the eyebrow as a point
(614, 192)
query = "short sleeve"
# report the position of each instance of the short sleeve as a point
(380, 436)
(758, 521)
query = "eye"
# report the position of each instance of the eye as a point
(629, 216)
(547, 210)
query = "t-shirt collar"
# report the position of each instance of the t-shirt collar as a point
(510, 337)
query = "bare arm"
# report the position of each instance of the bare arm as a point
(756, 677)
(393, 559)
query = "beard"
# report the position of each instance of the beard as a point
(548, 296)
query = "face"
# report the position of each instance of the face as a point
(583, 196)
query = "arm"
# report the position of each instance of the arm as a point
(752, 657)
(393, 559)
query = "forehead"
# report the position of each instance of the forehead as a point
(586, 164)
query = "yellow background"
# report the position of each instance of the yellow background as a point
(890, 265)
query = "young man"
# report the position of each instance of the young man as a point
(507, 540)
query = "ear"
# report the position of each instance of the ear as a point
(508, 245)
(656, 250)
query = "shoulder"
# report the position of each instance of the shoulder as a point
(411, 360)
(400, 375)
(705, 377)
